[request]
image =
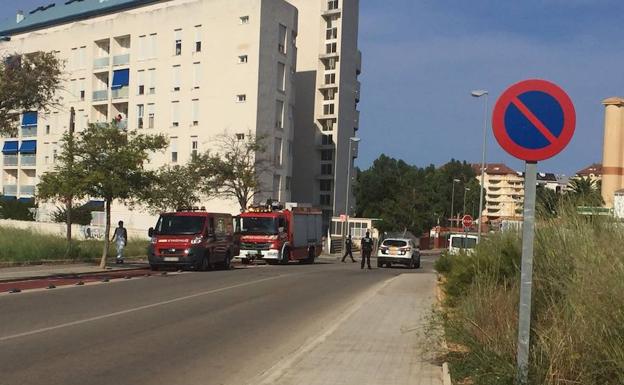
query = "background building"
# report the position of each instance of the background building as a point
(504, 192)
(327, 93)
(189, 69)
(613, 149)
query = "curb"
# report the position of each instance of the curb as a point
(66, 275)
(446, 374)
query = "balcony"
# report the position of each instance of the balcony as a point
(358, 63)
(99, 96)
(356, 120)
(358, 86)
(29, 131)
(9, 190)
(28, 160)
(101, 63)
(10, 161)
(332, 8)
(27, 190)
(121, 60)
(123, 125)
(120, 93)
(330, 55)
(325, 176)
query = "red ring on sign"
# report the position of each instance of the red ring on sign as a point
(528, 154)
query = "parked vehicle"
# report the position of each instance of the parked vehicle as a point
(192, 239)
(398, 251)
(276, 235)
(462, 242)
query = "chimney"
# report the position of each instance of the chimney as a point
(19, 17)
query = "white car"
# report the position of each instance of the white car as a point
(399, 251)
(462, 242)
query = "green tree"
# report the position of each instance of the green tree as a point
(111, 162)
(585, 191)
(27, 83)
(547, 202)
(173, 187)
(235, 170)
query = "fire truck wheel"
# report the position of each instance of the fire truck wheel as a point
(227, 262)
(285, 256)
(311, 256)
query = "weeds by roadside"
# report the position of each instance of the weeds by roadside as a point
(578, 312)
(25, 246)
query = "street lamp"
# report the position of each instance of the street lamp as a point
(478, 94)
(465, 190)
(453, 200)
(352, 140)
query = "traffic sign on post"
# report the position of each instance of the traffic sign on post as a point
(467, 221)
(532, 120)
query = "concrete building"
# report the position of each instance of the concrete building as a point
(190, 69)
(613, 149)
(504, 192)
(327, 93)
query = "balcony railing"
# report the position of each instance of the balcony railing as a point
(101, 62)
(28, 159)
(99, 96)
(120, 60)
(29, 131)
(122, 125)
(10, 160)
(120, 93)
(27, 190)
(10, 190)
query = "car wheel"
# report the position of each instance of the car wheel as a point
(411, 264)
(417, 263)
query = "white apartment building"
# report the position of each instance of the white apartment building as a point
(504, 192)
(189, 69)
(327, 93)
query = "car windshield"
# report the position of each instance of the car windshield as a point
(180, 225)
(394, 243)
(258, 225)
(464, 242)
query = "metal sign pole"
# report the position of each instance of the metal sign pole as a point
(526, 276)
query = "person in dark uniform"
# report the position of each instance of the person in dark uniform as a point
(367, 249)
(348, 249)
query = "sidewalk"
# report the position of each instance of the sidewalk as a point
(41, 271)
(380, 343)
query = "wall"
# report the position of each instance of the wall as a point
(59, 229)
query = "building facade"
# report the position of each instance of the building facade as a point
(327, 93)
(612, 152)
(504, 192)
(189, 69)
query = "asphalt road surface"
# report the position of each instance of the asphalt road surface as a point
(218, 327)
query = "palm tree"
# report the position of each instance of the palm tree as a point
(585, 191)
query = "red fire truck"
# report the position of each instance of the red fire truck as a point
(276, 235)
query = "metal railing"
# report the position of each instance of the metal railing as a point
(29, 131)
(100, 95)
(120, 93)
(9, 190)
(120, 60)
(10, 160)
(28, 159)
(101, 62)
(27, 190)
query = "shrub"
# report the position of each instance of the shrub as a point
(80, 215)
(16, 209)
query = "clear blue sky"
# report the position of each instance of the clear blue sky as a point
(422, 58)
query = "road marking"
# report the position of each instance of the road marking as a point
(144, 307)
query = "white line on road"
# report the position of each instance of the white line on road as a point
(144, 307)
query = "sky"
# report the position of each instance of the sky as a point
(421, 59)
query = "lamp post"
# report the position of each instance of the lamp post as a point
(453, 200)
(352, 140)
(478, 94)
(466, 189)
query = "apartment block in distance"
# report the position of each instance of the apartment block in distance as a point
(189, 69)
(327, 93)
(504, 192)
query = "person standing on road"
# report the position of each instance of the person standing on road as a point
(120, 237)
(349, 249)
(367, 249)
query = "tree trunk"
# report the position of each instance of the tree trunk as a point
(106, 234)
(68, 221)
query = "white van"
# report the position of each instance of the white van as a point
(459, 242)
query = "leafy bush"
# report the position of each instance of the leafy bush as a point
(16, 209)
(80, 215)
(577, 312)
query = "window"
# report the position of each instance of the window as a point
(277, 152)
(279, 114)
(177, 73)
(328, 109)
(332, 33)
(331, 48)
(150, 115)
(281, 77)
(325, 185)
(81, 89)
(140, 112)
(177, 37)
(281, 42)
(288, 183)
(328, 125)
(242, 59)
(195, 111)
(141, 82)
(241, 98)
(326, 169)
(329, 94)
(173, 145)
(47, 129)
(82, 58)
(54, 154)
(327, 155)
(198, 38)
(332, 4)
(194, 146)
(276, 186)
(331, 64)
(244, 19)
(327, 139)
(325, 200)
(151, 74)
(196, 75)
(143, 47)
(175, 114)
(240, 136)
(73, 89)
(152, 46)
(330, 78)
(73, 59)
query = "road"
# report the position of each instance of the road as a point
(219, 327)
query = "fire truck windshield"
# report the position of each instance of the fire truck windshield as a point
(179, 225)
(258, 225)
